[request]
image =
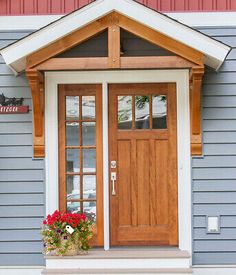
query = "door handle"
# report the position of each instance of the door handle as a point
(113, 180)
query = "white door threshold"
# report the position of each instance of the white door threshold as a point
(130, 253)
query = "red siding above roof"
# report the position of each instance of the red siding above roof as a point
(29, 7)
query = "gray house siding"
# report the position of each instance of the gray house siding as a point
(214, 175)
(21, 178)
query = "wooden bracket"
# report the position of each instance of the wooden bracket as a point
(36, 81)
(195, 109)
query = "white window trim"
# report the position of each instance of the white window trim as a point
(181, 78)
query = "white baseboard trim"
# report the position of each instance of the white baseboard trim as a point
(21, 270)
(214, 270)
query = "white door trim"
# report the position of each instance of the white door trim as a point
(180, 77)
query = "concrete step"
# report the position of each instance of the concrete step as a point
(147, 271)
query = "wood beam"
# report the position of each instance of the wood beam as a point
(195, 109)
(74, 63)
(67, 42)
(161, 40)
(99, 63)
(36, 81)
(155, 62)
(113, 43)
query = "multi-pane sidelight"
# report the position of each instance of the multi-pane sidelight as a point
(81, 154)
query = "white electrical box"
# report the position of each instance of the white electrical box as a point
(213, 224)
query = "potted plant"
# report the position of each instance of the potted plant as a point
(66, 234)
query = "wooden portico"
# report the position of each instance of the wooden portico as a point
(184, 57)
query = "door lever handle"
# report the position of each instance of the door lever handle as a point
(113, 180)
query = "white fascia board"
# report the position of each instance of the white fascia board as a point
(205, 19)
(26, 22)
(157, 21)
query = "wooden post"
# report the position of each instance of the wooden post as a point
(36, 82)
(113, 43)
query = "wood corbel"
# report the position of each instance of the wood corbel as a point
(36, 81)
(195, 110)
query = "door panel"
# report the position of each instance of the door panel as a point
(142, 141)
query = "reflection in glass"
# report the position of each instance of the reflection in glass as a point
(159, 111)
(142, 112)
(89, 133)
(73, 160)
(73, 187)
(89, 160)
(73, 207)
(72, 107)
(88, 107)
(89, 185)
(72, 134)
(90, 209)
(124, 112)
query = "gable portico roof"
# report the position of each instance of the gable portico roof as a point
(15, 54)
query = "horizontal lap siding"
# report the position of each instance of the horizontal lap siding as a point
(22, 196)
(214, 174)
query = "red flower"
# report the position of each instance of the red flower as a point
(69, 218)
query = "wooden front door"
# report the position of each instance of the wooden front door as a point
(143, 164)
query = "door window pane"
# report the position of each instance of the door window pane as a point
(89, 134)
(142, 112)
(159, 111)
(90, 209)
(73, 207)
(124, 112)
(88, 107)
(72, 134)
(73, 187)
(73, 160)
(72, 108)
(89, 187)
(89, 160)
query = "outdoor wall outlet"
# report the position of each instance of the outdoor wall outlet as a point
(213, 225)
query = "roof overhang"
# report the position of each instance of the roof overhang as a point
(15, 54)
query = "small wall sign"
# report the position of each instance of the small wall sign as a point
(12, 105)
